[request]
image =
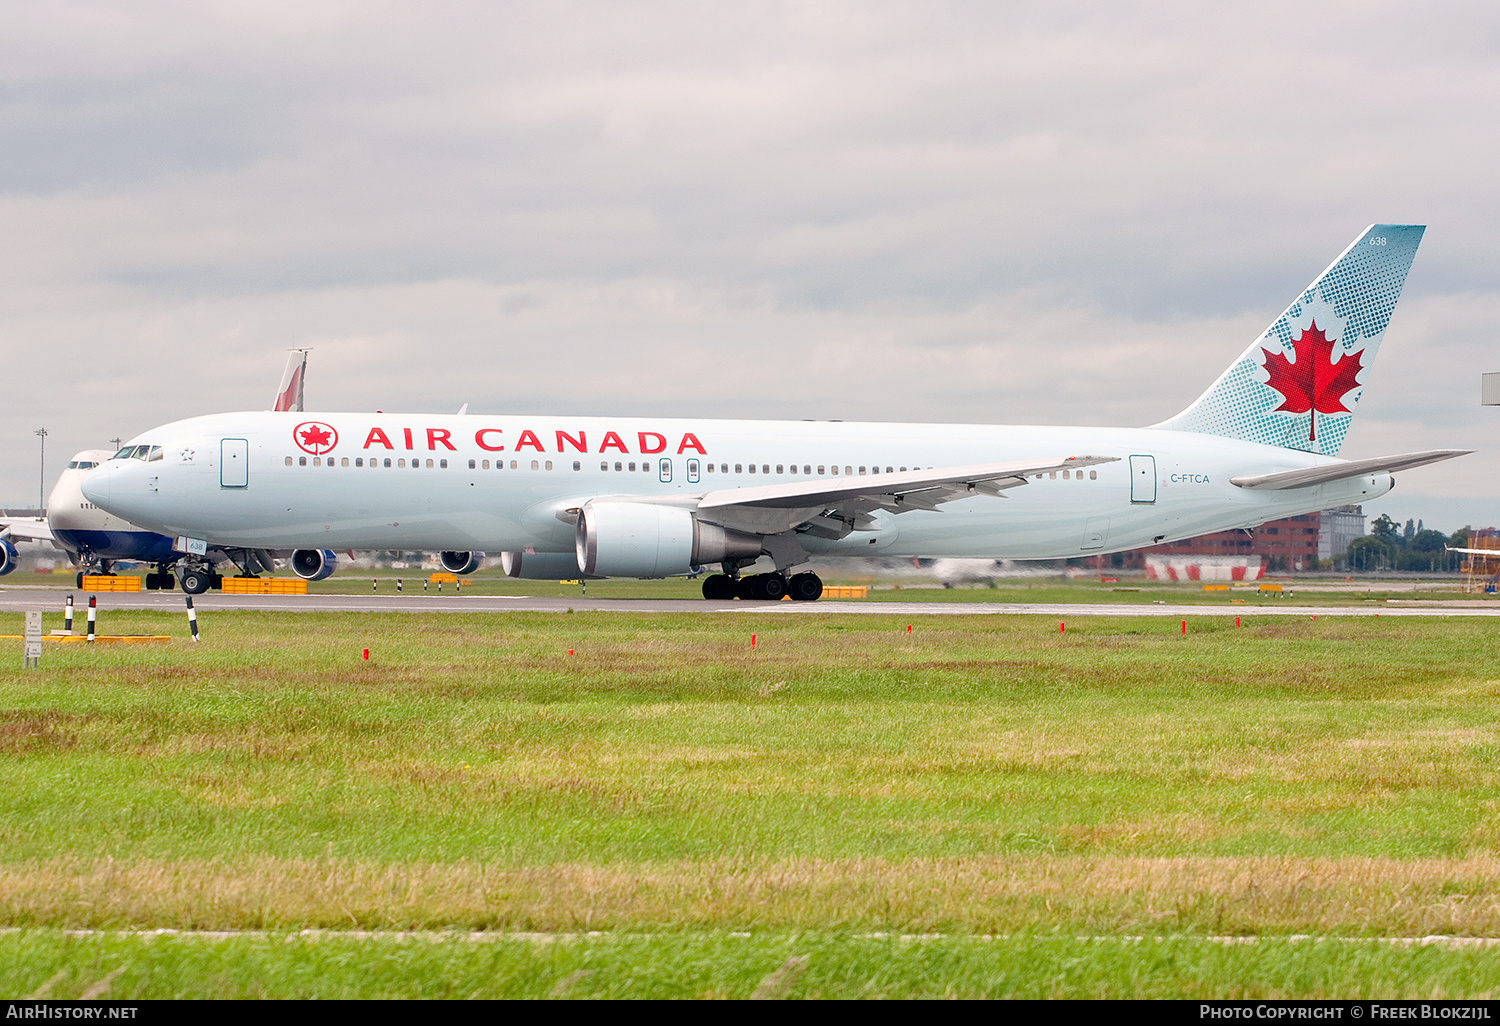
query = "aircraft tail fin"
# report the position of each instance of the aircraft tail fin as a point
(289, 392)
(1297, 384)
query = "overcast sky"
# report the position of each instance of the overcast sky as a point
(990, 212)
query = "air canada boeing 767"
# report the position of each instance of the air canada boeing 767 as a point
(618, 497)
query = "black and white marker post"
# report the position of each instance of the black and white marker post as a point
(68, 616)
(192, 617)
(93, 605)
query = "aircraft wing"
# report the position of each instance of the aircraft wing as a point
(1309, 476)
(835, 506)
(26, 529)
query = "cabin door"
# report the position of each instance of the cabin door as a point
(1143, 479)
(234, 463)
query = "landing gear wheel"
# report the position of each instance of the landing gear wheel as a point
(196, 582)
(168, 582)
(718, 587)
(773, 587)
(749, 587)
(806, 587)
(78, 581)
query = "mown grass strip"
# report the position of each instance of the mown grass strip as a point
(670, 965)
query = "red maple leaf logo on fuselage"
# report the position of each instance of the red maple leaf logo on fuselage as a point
(315, 437)
(1315, 383)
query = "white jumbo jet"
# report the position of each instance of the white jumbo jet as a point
(617, 497)
(93, 538)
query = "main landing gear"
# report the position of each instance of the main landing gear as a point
(197, 576)
(805, 587)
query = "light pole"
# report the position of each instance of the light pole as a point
(41, 501)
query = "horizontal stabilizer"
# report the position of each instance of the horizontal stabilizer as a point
(1310, 476)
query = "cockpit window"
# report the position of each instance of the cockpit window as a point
(124, 454)
(82, 465)
(155, 454)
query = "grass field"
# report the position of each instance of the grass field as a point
(673, 788)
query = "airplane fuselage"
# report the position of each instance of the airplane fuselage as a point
(491, 483)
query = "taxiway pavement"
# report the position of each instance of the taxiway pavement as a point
(20, 599)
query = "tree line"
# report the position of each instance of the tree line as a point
(1392, 546)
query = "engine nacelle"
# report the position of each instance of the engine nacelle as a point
(314, 564)
(9, 557)
(540, 566)
(638, 539)
(460, 562)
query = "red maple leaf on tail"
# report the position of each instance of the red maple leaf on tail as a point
(1315, 383)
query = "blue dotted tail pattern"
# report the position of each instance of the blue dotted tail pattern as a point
(1350, 303)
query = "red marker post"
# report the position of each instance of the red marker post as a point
(1062, 628)
(364, 653)
(1184, 628)
(752, 641)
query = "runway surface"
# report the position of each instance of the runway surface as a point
(20, 599)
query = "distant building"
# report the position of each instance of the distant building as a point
(1339, 526)
(1489, 390)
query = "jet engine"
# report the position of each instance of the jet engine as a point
(314, 564)
(9, 557)
(461, 562)
(638, 539)
(540, 566)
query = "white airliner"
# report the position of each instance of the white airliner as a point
(604, 496)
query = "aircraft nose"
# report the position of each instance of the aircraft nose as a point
(96, 486)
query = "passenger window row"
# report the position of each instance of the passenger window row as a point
(824, 470)
(359, 461)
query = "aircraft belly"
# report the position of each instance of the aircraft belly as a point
(280, 510)
(145, 545)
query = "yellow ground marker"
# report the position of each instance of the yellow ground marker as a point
(99, 639)
(264, 586)
(108, 582)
